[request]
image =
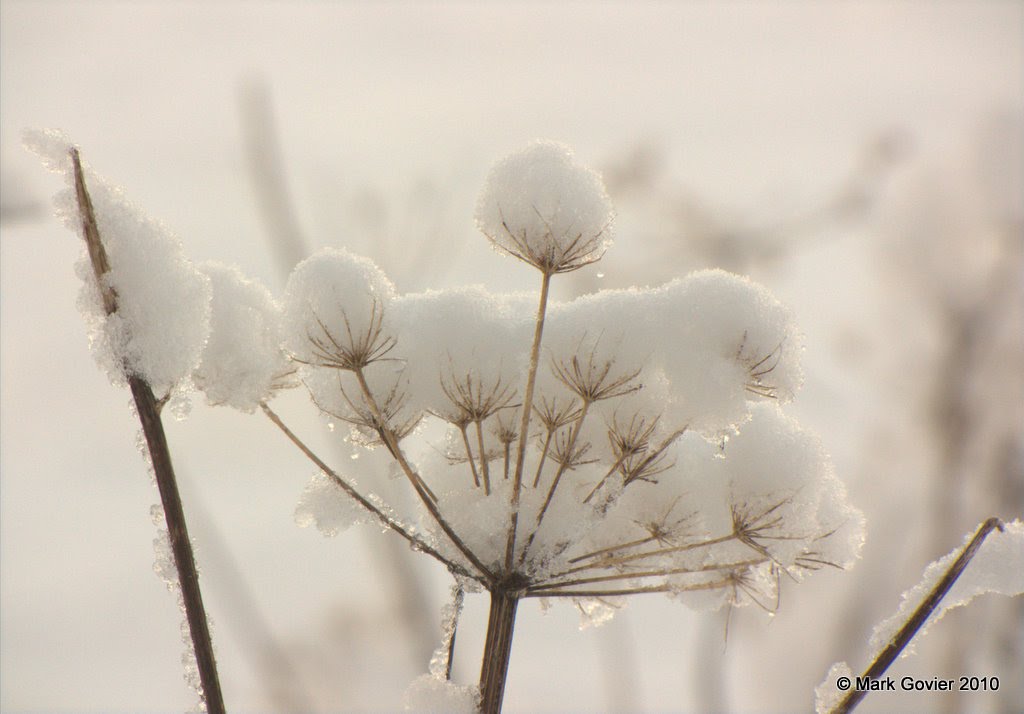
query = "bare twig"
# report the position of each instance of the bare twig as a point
(906, 633)
(385, 520)
(524, 425)
(156, 441)
(426, 496)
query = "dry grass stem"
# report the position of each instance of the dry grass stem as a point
(906, 633)
(526, 411)
(148, 408)
(657, 573)
(386, 520)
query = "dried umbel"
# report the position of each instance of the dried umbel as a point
(627, 442)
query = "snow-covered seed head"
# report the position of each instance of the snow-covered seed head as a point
(542, 207)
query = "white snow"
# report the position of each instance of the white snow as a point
(432, 695)
(163, 302)
(540, 205)
(827, 694)
(243, 360)
(334, 289)
(997, 567)
(325, 504)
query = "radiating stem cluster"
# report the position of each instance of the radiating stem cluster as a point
(555, 426)
(526, 450)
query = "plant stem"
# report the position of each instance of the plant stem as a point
(483, 458)
(892, 650)
(160, 456)
(497, 649)
(570, 450)
(181, 546)
(524, 425)
(636, 575)
(419, 486)
(387, 521)
(469, 456)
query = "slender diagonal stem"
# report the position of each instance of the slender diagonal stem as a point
(663, 588)
(608, 474)
(906, 633)
(385, 520)
(543, 457)
(524, 424)
(469, 456)
(156, 441)
(181, 545)
(422, 490)
(569, 451)
(613, 549)
(563, 467)
(639, 574)
(632, 557)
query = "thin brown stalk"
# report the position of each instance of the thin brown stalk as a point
(906, 633)
(484, 470)
(543, 457)
(384, 519)
(562, 467)
(389, 437)
(553, 418)
(664, 588)
(524, 424)
(469, 455)
(622, 560)
(661, 572)
(419, 486)
(613, 549)
(611, 471)
(148, 408)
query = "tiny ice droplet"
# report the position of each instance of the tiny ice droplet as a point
(330, 426)
(600, 275)
(354, 456)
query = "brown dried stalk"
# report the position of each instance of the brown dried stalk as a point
(156, 441)
(891, 651)
(387, 521)
(524, 425)
(419, 485)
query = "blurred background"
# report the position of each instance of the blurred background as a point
(862, 160)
